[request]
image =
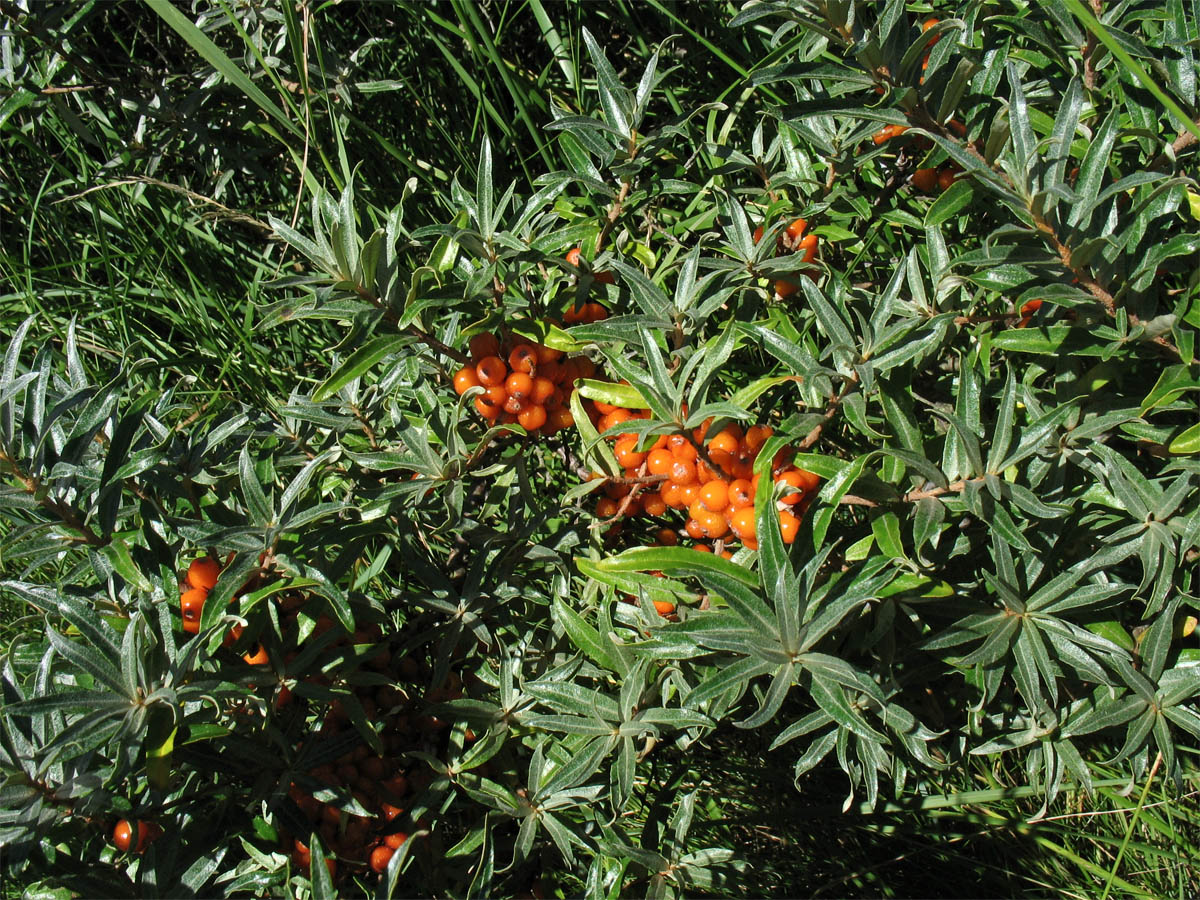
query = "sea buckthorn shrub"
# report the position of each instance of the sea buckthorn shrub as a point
(869, 424)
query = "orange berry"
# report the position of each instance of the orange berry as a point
(465, 379)
(741, 493)
(689, 493)
(396, 840)
(617, 417)
(793, 233)
(191, 606)
(756, 436)
(725, 442)
(808, 244)
(627, 453)
(553, 371)
(742, 522)
(659, 462)
(484, 345)
(925, 180)
(518, 385)
(523, 358)
(664, 608)
(809, 481)
(789, 526)
(513, 405)
(573, 256)
(682, 449)
(543, 389)
(257, 658)
(946, 177)
(714, 495)
(682, 472)
(791, 478)
(594, 312)
(694, 529)
(560, 418)
(672, 496)
(606, 508)
(546, 355)
(758, 233)
(653, 504)
(203, 573)
(489, 411)
(714, 524)
(532, 417)
(573, 315)
(380, 857)
(785, 289)
(605, 278)
(667, 537)
(491, 371)
(703, 548)
(123, 835)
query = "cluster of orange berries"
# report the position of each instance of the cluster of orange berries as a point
(382, 783)
(123, 835)
(201, 577)
(792, 240)
(712, 477)
(524, 382)
(929, 181)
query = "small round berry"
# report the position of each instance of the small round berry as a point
(627, 453)
(743, 524)
(484, 345)
(203, 573)
(489, 411)
(682, 472)
(789, 526)
(380, 857)
(519, 385)
(714, 495)
(925, 180)
(808, 244)
(573, 256)
(465, 379)
(396, 839)
(532, 417)
(491, 371)
(523, 358)
(741, 493)
(653, 504)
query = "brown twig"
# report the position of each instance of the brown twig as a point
(67, 514)
(835, 402)
(221, 209)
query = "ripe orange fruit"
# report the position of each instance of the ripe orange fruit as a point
(523, 358)
(491, 371)
(594, 312)
(573, 256)
(123, 835)
(257, 657)
(785, 289)
(465, 379)
(664, 608)
(808, 244)
(946, 177)
(925, 180)
(758, 233)
(519, 385)
(741, 494)
(483, 346)
(543, 390)
(191, 605)
(794, 232)
(396, 840)
(627, 453)
(743, 524)
(532, 417)
(715, 495)
(789, 526)
(203, 573)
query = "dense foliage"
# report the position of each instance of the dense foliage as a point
(346, 564)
